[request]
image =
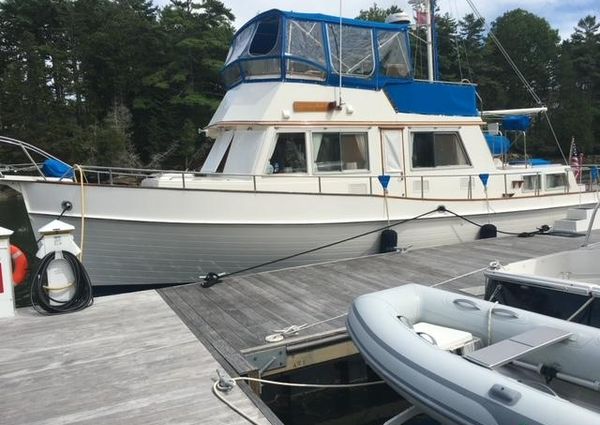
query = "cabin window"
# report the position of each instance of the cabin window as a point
(532, 183)
(393, 54)
(231, 75)
(357, 50)
(393, 150)
(430, 149)
(340, 151)
(305, 40)
(289, 155)
(217, 157)
(244, 152)
(240, 43)
(260, 68)
(265, 38)
(556, 181)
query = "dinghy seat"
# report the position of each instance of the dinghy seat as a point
(507, 350)
(447, 339)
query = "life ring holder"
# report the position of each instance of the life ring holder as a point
(20, 265)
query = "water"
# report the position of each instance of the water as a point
(371, 405)
(13, 216)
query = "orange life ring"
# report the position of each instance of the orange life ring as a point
(19, 265)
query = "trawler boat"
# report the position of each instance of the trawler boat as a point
(463, 360)
(316, 140)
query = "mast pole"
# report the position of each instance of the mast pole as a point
(429, 39)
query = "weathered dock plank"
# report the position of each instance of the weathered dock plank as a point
(127, 359)
(238, 313)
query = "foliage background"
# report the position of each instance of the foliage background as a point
(123, 82)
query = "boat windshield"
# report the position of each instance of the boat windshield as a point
(290, 46)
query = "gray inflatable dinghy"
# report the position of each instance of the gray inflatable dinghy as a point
(467, 361)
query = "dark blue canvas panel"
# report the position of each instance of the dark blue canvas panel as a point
(498, 144)
(433, 98)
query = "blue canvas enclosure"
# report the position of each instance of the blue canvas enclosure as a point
(303, 47)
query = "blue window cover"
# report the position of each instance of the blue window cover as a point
(437, 98)
(498, 144)
(516, 122)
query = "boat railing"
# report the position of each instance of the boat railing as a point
(470, 186)
(588, 234)
(30, 151)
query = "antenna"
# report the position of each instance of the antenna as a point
(340, 103)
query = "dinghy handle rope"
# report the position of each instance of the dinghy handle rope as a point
(294, 329)
(459, 277)
(82, 194)
(213, 278)
(226, 384)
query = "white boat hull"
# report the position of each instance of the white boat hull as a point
(147, 236)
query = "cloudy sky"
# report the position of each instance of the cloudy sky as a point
(562, 15)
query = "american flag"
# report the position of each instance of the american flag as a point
(422, 18)
(576, 161)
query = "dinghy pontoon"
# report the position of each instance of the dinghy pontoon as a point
(462, 360)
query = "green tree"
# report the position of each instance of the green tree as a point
(533, 46)
(578, 88)
(376, 13)
(447, 45)
(470, 46)
(185, 90)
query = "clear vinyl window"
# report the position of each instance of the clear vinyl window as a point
(393, 54)
(438, 149)
(289, 155)
(340, 152)
(357, 50)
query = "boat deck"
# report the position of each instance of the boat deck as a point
(233, 317)
(127, 359)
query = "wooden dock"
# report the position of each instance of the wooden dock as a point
(128, 359)
(131, 358)
(233, 318)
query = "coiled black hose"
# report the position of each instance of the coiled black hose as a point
(40, 296)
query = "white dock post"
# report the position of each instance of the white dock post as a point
(57, 237)
(7, 293)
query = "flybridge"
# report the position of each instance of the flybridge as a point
(310, 48)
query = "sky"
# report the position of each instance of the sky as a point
(562, 15)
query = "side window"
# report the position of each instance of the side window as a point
(556, 181)
(393, 54)
(340, 151)
(357, 50)
(532, 183)
(289, 155)
(265, 38)
(430, 149)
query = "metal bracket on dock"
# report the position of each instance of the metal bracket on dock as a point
(269, 359)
